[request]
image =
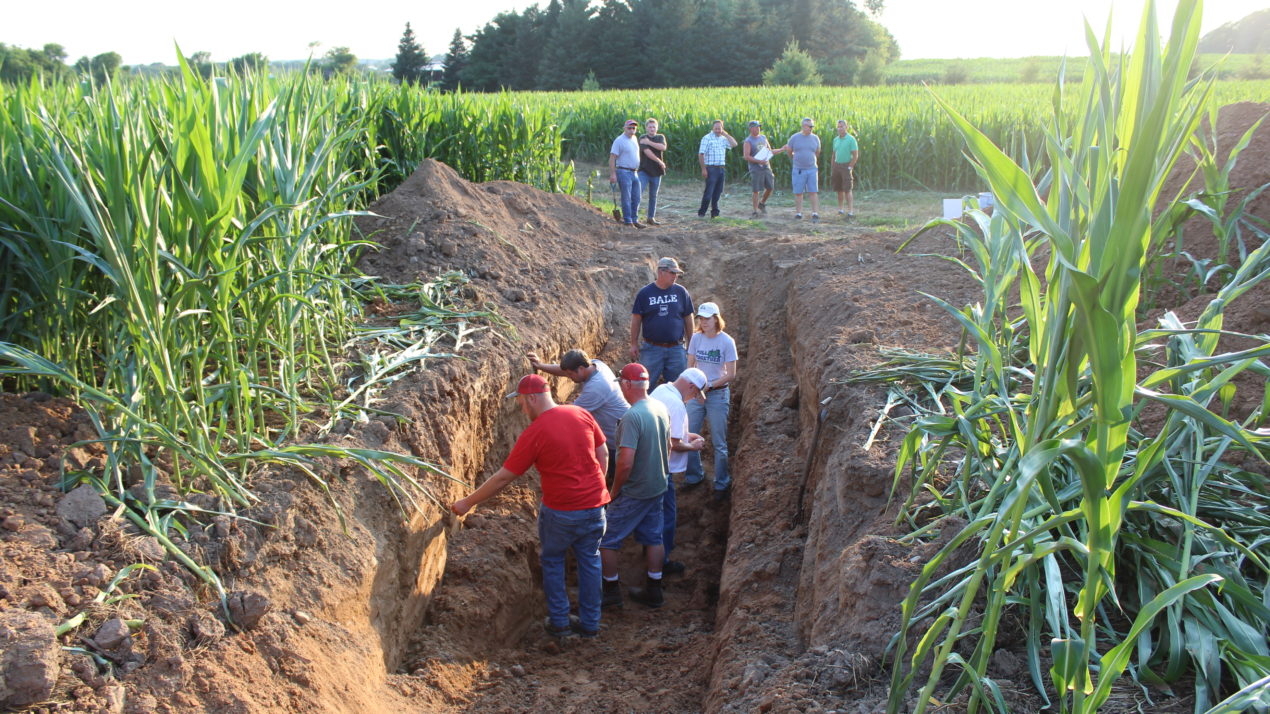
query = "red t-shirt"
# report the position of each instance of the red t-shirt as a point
(561, 442)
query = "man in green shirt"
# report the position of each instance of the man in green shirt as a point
(643, 452)
(845, 153)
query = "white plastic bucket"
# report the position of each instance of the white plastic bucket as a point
(952, 208)
(986, 201)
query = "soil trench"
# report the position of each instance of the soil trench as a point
(776, 608)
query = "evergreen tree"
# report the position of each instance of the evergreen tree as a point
(491, 50)
(411, 60)
(455, 61)
(795, 68)
(565, 59)
(671, 27)
(532, 31)
(615, 59)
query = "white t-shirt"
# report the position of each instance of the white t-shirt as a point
(626, 149)
(668, 395)
(712, 353)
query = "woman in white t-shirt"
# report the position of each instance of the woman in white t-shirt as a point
(713, 351)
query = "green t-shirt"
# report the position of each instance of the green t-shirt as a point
(842, 148)
(646, 428)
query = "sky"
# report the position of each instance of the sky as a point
(143, 31)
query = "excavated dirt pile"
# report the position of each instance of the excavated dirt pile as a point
(792, 587)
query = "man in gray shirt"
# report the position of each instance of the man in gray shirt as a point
(600, 394)
(804, 148)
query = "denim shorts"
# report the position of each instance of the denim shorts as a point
(805, 181)
(641, 516)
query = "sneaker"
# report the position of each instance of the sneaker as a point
(672, 567)
(723, 494)
(798, 216)
(561, 632)
(653, 221)
(637, 224)
(692, 484)
(754, 215)
(612, 597)
(850, 215)
(701, 214)
(841, 212)
(714, 214)
(581, 631)
(650, 595)
(762, 207)
(815, 218)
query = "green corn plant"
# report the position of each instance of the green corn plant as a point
(1058, 490)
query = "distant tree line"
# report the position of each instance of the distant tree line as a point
(1249, 35)
(18, 64)
(672, 43)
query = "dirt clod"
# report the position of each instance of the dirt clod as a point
(247, 608)
(81, 507)
(29, 659)
(111, 634)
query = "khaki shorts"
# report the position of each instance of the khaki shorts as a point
(762, 180)
(841, 178)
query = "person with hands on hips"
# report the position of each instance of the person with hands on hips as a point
(713, 351)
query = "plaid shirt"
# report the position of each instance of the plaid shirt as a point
(715, 148)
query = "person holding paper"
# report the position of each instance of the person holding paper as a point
(758, 153)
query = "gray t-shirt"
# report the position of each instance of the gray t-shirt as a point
(626, 149)
(805, 150)
(756, 143)
(646, 429)
(603, 398)
(712, 353)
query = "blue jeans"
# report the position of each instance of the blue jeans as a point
(716, 408)
(662, 362)
(628, 189)
(669, 511)
(650, 184)
(581, 531)
(714, 189)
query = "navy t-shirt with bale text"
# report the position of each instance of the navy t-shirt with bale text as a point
(663, 312)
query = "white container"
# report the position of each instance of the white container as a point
(986, 201)
(952, 208)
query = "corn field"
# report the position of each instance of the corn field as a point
(178, 255)
(906, 141)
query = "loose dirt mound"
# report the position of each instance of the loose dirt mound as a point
(783, 608)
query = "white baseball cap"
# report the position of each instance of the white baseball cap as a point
(696, 376)
(707, 309)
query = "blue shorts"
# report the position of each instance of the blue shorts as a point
(641, 516)
(805, 181)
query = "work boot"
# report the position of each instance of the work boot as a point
(612, 594)
(650, 596)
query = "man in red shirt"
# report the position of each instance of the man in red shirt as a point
(567, 447)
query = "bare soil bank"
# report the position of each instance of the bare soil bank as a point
(779, 611)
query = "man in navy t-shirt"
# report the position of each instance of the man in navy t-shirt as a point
(661, 320)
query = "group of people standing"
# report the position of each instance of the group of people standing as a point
(636, 163)
(610, 461)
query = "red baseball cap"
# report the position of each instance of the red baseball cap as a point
(634, 372)
(530, 384)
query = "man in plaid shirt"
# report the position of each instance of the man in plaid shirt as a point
(714, 148)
